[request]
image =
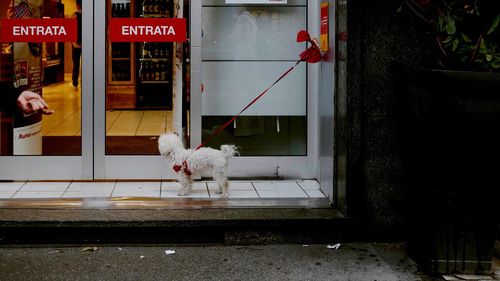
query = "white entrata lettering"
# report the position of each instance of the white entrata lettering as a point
(34, 30)
(148, 30)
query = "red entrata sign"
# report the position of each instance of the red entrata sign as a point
(147, 30)
(38, 30)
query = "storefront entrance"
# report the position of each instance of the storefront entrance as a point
(130, 93)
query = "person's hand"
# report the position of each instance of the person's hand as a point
(30, 102)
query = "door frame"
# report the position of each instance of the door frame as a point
(303, 167)
(115, 166)
(64, 167)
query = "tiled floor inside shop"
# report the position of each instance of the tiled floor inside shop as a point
(302, 189)
(66, 121)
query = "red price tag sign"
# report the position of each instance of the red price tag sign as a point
(147, 30)
(38, 30)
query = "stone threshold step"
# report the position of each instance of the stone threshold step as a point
(219, 226)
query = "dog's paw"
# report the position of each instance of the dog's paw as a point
(225, 194)
(183, 192)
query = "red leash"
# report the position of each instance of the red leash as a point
(311, 55)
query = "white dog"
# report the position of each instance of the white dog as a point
(187, 162)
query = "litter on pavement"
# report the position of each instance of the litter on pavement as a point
(336, 246)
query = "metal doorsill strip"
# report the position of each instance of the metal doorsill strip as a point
(148, 203)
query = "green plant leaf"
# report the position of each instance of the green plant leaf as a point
(482, 47)
(489, 57)
(448, 39)
(440, 24)
(496, 64)
(451, 27)
(455, 44)
(494, 25)
(465, 38)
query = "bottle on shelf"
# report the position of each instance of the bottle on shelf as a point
(156, 50)
(150, 75)
(141, 71)
(157, 71)
(156, 7)
(119, 11)
(163, 72)
(165, 51)
(145, 52)
(161, 52)
(151, 7)
(165, 4)
(145, 7)
(124, 10)
(147, 71)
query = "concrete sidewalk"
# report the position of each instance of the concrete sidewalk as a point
(358, 261)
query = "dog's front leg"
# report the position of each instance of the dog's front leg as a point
(186, 185)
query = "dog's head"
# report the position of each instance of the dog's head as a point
(169, 142)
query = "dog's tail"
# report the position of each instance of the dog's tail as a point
(229, 150)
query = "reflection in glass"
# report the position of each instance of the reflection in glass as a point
(46, 69)
(244, 50)
(139, 84)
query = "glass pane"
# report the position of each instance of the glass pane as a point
(139, 84)
(252, 33)
(51, 70)
(223, 3)
(245, 48)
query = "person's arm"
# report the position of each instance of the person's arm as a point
(26, 102)
(8, 97)
(30, 103)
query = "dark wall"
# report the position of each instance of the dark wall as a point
(377, 35)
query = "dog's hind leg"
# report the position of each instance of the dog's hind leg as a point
(186, 185)
(223, 184)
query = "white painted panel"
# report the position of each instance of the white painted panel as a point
(230, 86)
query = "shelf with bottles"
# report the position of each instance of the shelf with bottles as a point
(155, 82)
(120, 8)
(151, 50)
(120, 71)
(155, 59)
(157, 8)
(120, 51)
(154, 72)
(154, 16)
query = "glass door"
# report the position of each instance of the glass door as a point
(238, 50)
(34, 146)
(138, 93)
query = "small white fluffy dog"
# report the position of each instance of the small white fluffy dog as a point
(187, 162)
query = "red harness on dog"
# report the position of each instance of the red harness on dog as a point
(183, 167)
